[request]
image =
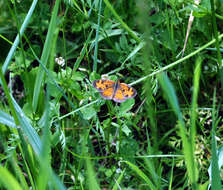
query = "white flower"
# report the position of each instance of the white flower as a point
(60, 61)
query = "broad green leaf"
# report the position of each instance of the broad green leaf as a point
(8, 180)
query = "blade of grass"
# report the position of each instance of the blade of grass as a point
(190, 21)
(16, 42)
(45, 55)
(6, 119)
(56, 182)
(82, 54)
(215, 172)
(92, 182)
(27, 128)
(19, 173)
(171, 176)
(141, 174)
(108, 33)
(187, 149)
(124, 25)
(115, 187)
(8, 180)
(20, 119)
(96, 39)
(44, 171)
(197, 73)
(29, 160)
(215, 31)
(78, 109)
(51, 77)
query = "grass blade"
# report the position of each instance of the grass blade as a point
(124, 25)
(92, 182)
(187, 148)
(20, 118)
(96, 39)
(6, 119)
(141, 174)
(197, 73)
(45, 56)
(215, 172)
(115, 187)
(8, 180)
(16, 42)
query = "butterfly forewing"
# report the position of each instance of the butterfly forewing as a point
(102, 85)
(107, 93)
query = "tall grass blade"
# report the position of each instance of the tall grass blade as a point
(92, 182)
(96, 39)
(6, 119)
(19, 173)
(187, 148)
(115, 187)
(83, 52)
(16, 42)
(193, 114)
(142, 175)
(45, 55)
(8, 180)
(124, 25)
(215, 172)
(20, 118)
(45, 171)
(56, 182)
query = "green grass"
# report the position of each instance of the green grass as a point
(57, 132)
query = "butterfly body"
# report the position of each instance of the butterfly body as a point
(111, 90)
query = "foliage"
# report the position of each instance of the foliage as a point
(57, 132)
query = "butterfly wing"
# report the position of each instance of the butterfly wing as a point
(119, 97)
(102, 85)
(107, 93)
(124, 92)
(105, 87)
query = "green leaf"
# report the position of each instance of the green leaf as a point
(6, 119)
(88, 112)
(126, 106)
(78, 76)
(8, 180)
(126, 130)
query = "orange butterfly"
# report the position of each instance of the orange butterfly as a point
(111, 90)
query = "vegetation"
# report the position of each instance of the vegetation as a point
(57, 132)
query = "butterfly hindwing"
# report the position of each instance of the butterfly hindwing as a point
(119, 97)
(128, 91)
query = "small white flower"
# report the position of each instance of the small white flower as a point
(118, 171)
(60, 61)
(206, 68)
(104, 76)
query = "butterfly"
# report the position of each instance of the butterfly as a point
(111, 90)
